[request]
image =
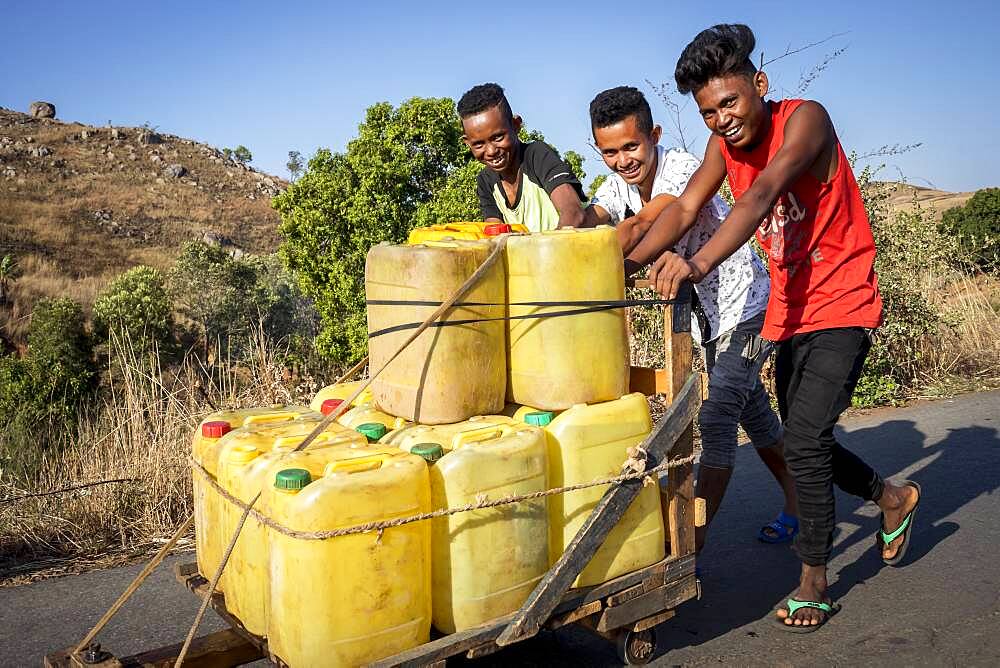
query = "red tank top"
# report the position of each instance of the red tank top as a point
(818, 240)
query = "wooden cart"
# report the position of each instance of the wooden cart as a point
(624, 610)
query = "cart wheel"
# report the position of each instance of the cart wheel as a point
(636, 648)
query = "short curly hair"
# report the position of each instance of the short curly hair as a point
(482, 97)
(718, 51)
(616, 104)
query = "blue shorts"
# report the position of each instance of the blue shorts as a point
(735, 395)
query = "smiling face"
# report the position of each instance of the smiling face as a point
(492, 138)
(628, 151)
(733, 108)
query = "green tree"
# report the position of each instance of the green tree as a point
(294, 164)
(135, 305)
(977, 226)
(407, 167)
(243, 154)
(595, 184)
(346, 203)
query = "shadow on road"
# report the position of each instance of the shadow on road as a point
(744, 583)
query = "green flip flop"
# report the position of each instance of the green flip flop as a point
(884, 538)
(794, 604)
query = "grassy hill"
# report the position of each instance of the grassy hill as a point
(80, 204)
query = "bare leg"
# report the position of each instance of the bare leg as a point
(711, 486)
(774, 460)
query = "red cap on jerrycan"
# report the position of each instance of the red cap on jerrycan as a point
(495, 229)
(215, 429)
(330, 405)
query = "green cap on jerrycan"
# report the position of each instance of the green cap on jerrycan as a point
(429, 451)
(540, 419)
(373, 430)
(293, 479)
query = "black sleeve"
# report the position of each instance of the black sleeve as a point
(484, 190)
(549, 169)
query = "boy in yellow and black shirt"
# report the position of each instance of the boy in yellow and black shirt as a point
(523, 183)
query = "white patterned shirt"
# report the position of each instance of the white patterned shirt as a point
(733, 292)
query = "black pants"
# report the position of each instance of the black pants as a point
(815, 375)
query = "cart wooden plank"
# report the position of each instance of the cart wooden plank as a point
(214, 650)
(651, 603)
(543, 600)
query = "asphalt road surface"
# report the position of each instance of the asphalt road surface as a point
(941, 608)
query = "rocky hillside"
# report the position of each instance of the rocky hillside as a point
(79, 204)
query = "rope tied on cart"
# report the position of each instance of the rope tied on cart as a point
(633, 469)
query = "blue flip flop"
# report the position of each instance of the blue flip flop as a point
(785, 526)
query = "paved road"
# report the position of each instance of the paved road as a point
(941, 608)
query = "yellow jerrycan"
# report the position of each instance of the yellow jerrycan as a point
(485, 562)
(348, 600)
(462, 231)
(450, 372)
(341, 391)
(588, 442)
(244, 463)
(205, 451)
(562, 360)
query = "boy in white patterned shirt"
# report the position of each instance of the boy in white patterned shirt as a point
(729, 303)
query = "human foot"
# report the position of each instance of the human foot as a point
(899, 505)
(809, 605)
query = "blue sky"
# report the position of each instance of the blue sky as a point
(299, 75)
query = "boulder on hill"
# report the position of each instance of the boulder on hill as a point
(40, 109)
(176, 171)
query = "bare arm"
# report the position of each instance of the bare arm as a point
(632, 230)
(595, 215)
(674, 220)
(808, 134)
(567, 203)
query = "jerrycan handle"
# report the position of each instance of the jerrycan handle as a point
(291, 441)
(481, 434)
(356, 464)
(264, 418)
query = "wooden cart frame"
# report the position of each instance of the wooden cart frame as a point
(625, 610)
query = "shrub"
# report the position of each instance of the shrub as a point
(135, 305)
(40, 394)
(977, 227)
(230, 299)
(909, 246)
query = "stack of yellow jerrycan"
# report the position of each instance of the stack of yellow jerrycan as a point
(591, 441)
(462, 231)
(485, 562)
(560, 361)
(208, 505)
(449, 373)
(245, 461)
(352, 599)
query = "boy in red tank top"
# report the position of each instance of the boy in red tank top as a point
(794, 188)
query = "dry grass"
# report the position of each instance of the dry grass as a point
(141, 432)
(964, 355)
